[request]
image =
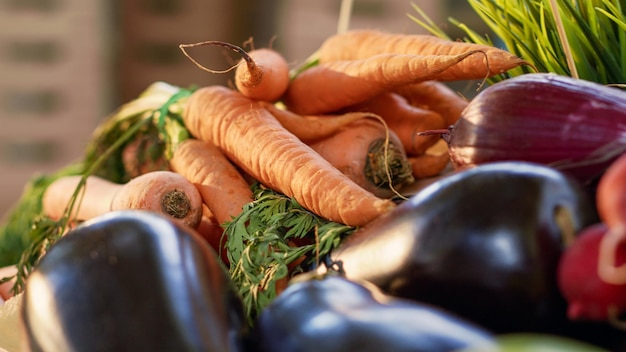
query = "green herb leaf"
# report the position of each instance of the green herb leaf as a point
(272, 238)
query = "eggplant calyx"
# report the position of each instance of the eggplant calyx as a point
(333, 268)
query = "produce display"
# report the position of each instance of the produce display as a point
(354, 202)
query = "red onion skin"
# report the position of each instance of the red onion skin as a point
(576, 126)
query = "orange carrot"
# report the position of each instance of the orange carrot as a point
(265, 75)
(405, 120)
(428, 165)
(370, 155)
(222, 187)
(435, 96)
(250, 136)
(361, 44)
(310, 128)
(212, 232)
(433, 162)
(311, 92)
(165, 192)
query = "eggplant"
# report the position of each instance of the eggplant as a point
(132, 281)
(331, 313)
(483, 243)
(575, 126)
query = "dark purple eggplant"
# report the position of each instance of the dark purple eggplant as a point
(483, 243)
(132, 281)
(333, 314)
(576, 126)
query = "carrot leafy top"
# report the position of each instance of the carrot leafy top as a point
(273, 238)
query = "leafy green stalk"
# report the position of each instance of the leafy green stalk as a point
(15, 231)
(273, 237)
(595, 31)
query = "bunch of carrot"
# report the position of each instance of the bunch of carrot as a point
(339, 137)
(312, 135)
(369, 83)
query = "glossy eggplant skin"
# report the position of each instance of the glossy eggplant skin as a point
(131, 281)
(483, 243)
(334, 314)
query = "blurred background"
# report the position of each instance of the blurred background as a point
(67, 64)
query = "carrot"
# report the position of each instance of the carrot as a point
(252, 138)
(311, 128)
(361, 44)
(435, 96)
(165, 192)
(428, 165)
(212, 232)
(370, 155)
(405, 120)
(222, 187)
(359, 80)
(144, 154)
(265, 75)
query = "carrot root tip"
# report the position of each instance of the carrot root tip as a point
(176, 204)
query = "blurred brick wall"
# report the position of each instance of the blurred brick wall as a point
(54, 86)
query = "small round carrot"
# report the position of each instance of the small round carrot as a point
(405, 120)
(262, 74)
(435, 96)
(361, 44)
(359, 80)
(370, 155)
(164, 192)
(222, 187)
(428, 165)
(251, 137)
(265, 75)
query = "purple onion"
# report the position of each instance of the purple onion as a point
(576, 126)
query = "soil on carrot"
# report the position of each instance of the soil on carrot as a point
(176, 203)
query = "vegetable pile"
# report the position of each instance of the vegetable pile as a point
(355, 202)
